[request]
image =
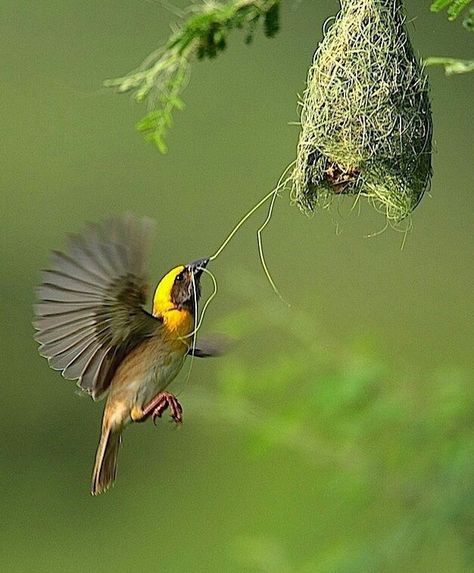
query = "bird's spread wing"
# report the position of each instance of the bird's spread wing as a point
(90, 312)
(211, 346)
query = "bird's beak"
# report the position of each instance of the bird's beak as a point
(197, 267)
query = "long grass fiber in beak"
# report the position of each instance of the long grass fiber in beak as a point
(197, 267)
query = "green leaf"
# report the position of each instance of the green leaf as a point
(160, 144)
(162, 77)
(455, 7)
(452, 66)
(439, 5)
(469, 21)
(177, 103)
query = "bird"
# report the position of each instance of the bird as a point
(91, 324)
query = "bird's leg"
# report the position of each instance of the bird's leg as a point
(160, 403)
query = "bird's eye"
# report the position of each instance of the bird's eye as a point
(179, 278)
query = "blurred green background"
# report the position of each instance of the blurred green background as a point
(337, 436)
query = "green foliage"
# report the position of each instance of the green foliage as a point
(469, 20)
(455, 7)
(452, 66)
(387, 450)
(163, 75)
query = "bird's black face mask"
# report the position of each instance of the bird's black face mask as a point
(186, 289)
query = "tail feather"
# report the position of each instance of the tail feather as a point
(105, 467)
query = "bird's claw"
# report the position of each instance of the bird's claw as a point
(160, 404)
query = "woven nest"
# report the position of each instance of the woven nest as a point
(366, 119)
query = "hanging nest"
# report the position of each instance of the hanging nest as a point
(366, 120)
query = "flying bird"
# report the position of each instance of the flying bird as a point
(92, 326)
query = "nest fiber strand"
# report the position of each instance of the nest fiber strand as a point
(366, 118)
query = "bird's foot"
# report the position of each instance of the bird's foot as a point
(162, 402)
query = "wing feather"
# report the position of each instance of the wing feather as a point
(77, 365)
(63, 280)
(61, 345)
(48, 309)
(90, 310)
(60, 329)
(81, 252)
(72, 267)
(52, 321)
(53, 293)
(89, 375)
(61, 360)
(65, 332)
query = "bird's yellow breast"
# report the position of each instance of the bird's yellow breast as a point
(179, 323)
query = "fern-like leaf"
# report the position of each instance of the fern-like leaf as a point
(455, 7)
(162, 77)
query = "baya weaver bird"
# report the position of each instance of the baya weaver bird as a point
(92, 326)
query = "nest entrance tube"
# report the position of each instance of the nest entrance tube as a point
(366, 124)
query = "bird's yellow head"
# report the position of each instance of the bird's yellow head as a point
(179, 290)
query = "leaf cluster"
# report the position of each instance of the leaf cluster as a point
(454, 66)
(454, 9)
(212, 27)
(162, 77)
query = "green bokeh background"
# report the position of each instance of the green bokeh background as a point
(224, 493)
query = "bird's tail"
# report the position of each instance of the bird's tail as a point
(105, 467)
